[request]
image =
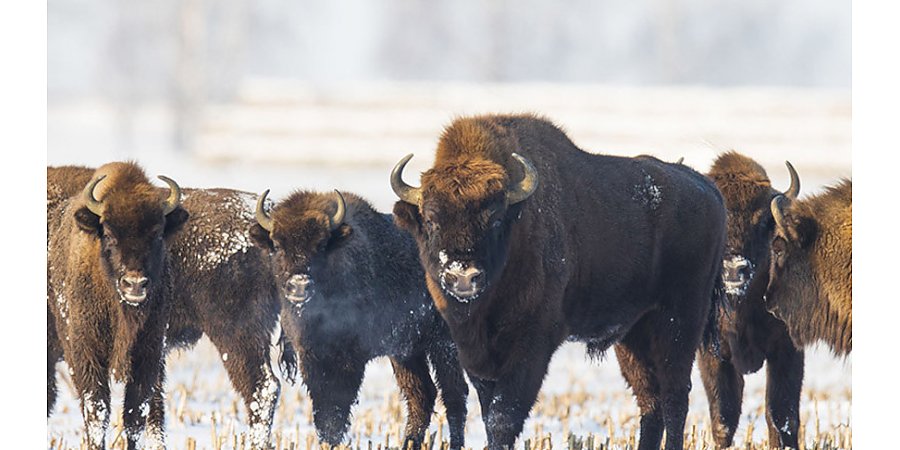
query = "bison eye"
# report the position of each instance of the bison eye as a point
(497, 223)
(778, 247)
(430, 225)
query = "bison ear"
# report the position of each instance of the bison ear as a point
(406, 216)
(175, 219)
(340, 234)
(261, 237)
(88, 221)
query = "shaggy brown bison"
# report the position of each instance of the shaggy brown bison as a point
(527, 240)
(810, 276)
(108, 291)
(223, 287)
(750, 335)
(352, 291)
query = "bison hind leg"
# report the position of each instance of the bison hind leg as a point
(415, 383)
(638, 373)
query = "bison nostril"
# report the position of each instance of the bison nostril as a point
(450, 278)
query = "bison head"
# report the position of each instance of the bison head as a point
(461, 218)
(747, 192)
(300, 230)
(131, 222)
(793, 235)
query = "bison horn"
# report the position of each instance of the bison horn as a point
(776, 208)
(338, 217)
(527, 186)
(680, 160)
(174, 198)
(262, 217)
(406, 192)
(92, 204)
(794, 190)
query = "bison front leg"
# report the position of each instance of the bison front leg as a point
(143, 409)
(784, 381)
(417, 388)
(513, 396)
(92, 384)
(333, 386)
(454, 391)
(724, 390)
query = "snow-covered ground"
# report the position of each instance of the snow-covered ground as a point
(286, 136)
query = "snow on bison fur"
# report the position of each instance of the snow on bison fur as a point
(527, 241)
(108, 290)
(353, 291)
(810, 276)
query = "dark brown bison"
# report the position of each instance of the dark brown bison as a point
(108, 291)
(750, 335)
(352, 291)
(223, 287)
(527, 241)
(810, 277)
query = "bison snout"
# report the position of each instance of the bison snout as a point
(298, 288)
(736, 274)
(464, 283)
(133, 287)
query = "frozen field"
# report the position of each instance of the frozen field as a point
(285, 136)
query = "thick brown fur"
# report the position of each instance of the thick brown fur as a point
(365, 299)
(607, 250)
(223, 287)
(90, 324)
(750, 335)
(811, 278)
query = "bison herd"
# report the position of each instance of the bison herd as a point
(515, 241)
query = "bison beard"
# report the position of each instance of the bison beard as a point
(594, 248)
(352, 292)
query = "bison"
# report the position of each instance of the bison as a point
(750, 335)
(223, 287)
(810, 274)
(352, 291)
(527, 241)
(108, 291)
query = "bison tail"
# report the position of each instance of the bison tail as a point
(287, 360)
(711, 334)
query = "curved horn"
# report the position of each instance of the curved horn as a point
(794, 190)
(776, 208)
(527, 186)
(680, 160)
(338, 217)
(174, 198)
(264, 220)
(406, 192)
(92, 204)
